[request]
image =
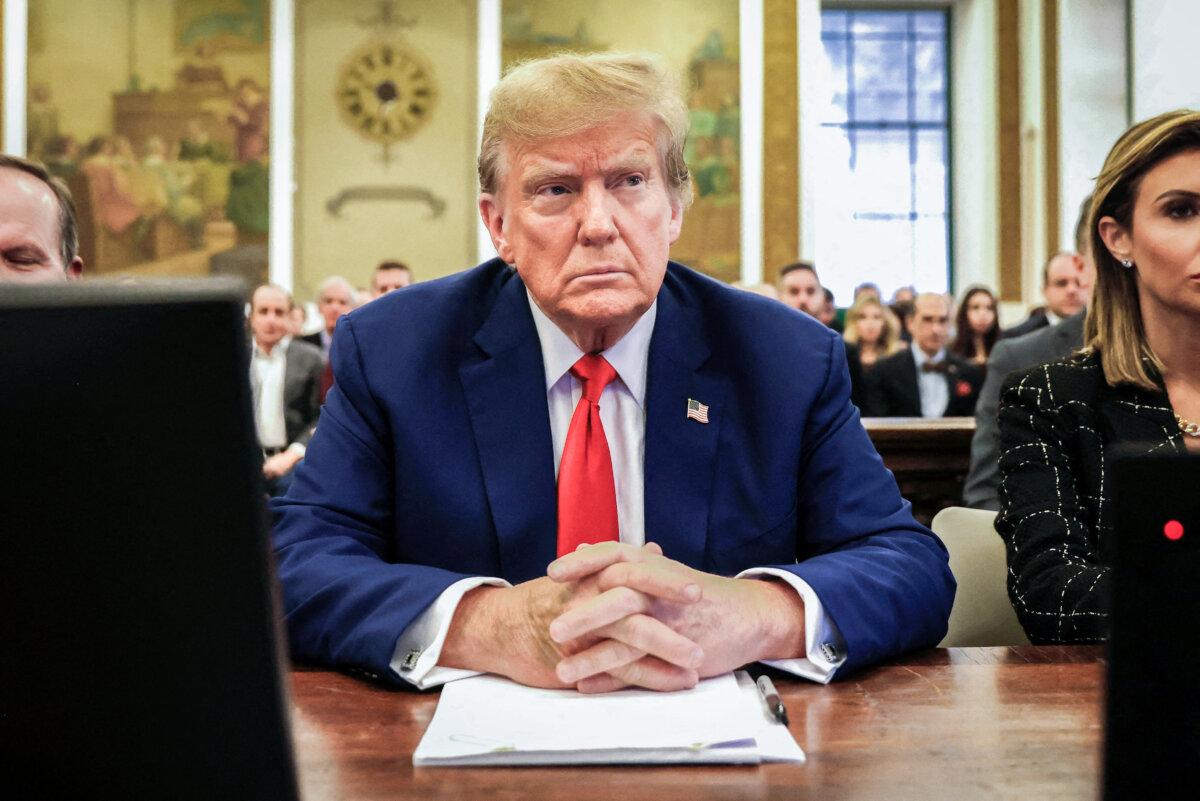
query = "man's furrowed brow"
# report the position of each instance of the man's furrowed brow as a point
(546, 173)
(636, 162)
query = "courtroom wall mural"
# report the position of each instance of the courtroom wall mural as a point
(156, 115)
(700, 41)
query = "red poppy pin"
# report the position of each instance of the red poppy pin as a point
(962, 389)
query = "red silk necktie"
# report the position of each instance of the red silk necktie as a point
(587, 495)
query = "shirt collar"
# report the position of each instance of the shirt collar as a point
(920, 357)
(1052, 318)
(279, 349)
(629, 357)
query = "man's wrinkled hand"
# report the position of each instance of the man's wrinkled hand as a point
(731, 621)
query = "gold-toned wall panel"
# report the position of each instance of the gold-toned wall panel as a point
(1050, 122)
(1008, 147)
(781, 139)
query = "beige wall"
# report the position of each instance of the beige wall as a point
(331, 157)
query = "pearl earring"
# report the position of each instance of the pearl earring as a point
(1127, 264)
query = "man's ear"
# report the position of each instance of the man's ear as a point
(493, 220)
(676, 225)
(1115, 238)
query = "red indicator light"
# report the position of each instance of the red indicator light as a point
(1173, 530)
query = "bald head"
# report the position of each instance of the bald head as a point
(1066, 284)
(930, 322)
(32, 226)
(270, 315)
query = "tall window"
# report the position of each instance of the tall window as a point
(882, 207)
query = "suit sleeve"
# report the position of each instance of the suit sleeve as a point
(1056, 583)
(344, 602)
(882, 577)
(312, 387)
(981, 488)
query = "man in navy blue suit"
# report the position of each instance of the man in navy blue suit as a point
(687, 451)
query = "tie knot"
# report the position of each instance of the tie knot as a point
(934, 367)
(596, 373)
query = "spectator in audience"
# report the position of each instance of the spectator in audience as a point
(977, 326)
(39, 242)
(285, 376)
(800, 288)
(297, 317)
(1136, 385)
(924, 380)
(390, 275)
(905, 294)
(418, 541)
(866, 289)
(872, 333)
(828, 311)
(1066, 285)
(334, 298)
(903, 309)
(981, 489)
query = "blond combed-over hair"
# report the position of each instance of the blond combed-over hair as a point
(565, 94)
(1113, 327)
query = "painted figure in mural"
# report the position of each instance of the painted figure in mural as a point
(108, 184)
(249, 119)
(249, 190)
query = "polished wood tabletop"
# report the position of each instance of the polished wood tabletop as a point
(958, 723)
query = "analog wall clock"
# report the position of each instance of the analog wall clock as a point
(385, 92)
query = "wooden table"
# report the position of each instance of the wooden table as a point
(960, 723)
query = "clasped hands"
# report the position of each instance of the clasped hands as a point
(613, 615)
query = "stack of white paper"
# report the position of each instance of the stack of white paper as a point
(488, 720)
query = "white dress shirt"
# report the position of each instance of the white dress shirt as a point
(933, 387)
(623, 415)
(266, 379)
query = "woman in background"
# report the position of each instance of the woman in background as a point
(872, 332)
(977, 325)
(1134, 387)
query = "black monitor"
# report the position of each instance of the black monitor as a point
(1152, 731)
(141, 653)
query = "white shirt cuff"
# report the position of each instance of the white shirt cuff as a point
(420, 646)
(297, 448)
(825, 649)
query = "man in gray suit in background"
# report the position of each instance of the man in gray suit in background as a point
(1048, 344)
(285, 376)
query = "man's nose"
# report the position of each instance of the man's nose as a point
(596, 225)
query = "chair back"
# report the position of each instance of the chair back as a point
(982, 613)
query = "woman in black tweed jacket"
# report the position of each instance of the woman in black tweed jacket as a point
(1135, 386)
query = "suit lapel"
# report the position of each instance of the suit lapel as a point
(1142, 421)
(909, 385)
(506, 400)
(681, 453)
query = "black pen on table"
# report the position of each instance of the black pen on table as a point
(771, 696)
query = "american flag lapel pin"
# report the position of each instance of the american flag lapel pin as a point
(697, 411)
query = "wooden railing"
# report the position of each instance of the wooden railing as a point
(929, 457)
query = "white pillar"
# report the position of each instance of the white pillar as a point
(750, 34)
(488, 75)
(16, 31)
(281, 250)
